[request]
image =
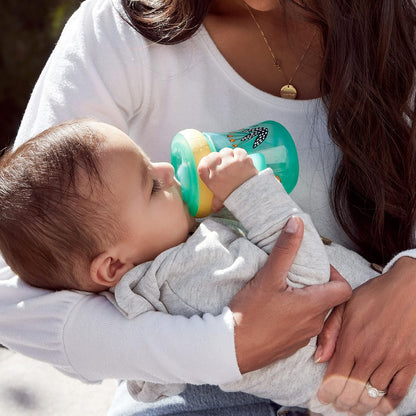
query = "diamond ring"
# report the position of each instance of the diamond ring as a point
(373, 392)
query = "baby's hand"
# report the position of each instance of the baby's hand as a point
(225, 171)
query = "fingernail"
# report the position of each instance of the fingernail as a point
(318, 354)
(291, 225)
(378, 414)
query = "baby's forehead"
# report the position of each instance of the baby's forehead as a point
(116, 144)
(122, 154)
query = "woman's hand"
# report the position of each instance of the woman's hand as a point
(272, 320)
(376, 343)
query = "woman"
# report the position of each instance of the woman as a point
(98, 69)
(220, 65)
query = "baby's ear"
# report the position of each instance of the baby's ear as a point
(107, 270)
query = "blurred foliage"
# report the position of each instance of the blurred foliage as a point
(30, 31)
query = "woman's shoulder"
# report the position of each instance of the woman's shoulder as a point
(101, 18)
(98, 26)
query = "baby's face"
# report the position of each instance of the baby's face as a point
(146, 198)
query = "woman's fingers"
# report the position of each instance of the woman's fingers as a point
(327, 339)
(353, 390)
(396, 390)
(327, 296)
(335, 380)
(375, 344)
(368, 400)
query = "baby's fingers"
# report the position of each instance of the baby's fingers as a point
(208, 164)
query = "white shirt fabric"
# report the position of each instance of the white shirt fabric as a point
(102, 68)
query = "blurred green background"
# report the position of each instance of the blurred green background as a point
(30, 31)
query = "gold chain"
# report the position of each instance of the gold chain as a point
(276, 62)
(288, 90)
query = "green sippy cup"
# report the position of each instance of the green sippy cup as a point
(269, 144)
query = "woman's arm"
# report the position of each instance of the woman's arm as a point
(86, 337)
(94, 71)
(376, 343)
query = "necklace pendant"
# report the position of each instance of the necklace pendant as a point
(288, 91)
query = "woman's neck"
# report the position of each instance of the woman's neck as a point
(234, 28)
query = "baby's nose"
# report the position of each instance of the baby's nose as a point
(168, 174)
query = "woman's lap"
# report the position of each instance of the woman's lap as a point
(194, 401)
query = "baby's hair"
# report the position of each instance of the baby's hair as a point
(50, 226)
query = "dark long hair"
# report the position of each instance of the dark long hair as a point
(367, 84)
(166, 21)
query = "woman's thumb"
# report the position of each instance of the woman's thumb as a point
(273, 274)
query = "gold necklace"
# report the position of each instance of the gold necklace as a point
(288, 90)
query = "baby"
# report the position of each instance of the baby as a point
(82, 207)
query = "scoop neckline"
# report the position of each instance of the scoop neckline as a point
(253, 91)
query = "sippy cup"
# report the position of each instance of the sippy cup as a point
(269, 144)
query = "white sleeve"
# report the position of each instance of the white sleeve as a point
(84, 336)
(92, 72)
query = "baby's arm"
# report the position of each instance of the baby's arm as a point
(263, 207)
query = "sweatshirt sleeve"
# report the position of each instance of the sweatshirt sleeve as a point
(84, 336)
(263, 207)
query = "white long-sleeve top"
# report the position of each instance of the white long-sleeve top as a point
(102, 68)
